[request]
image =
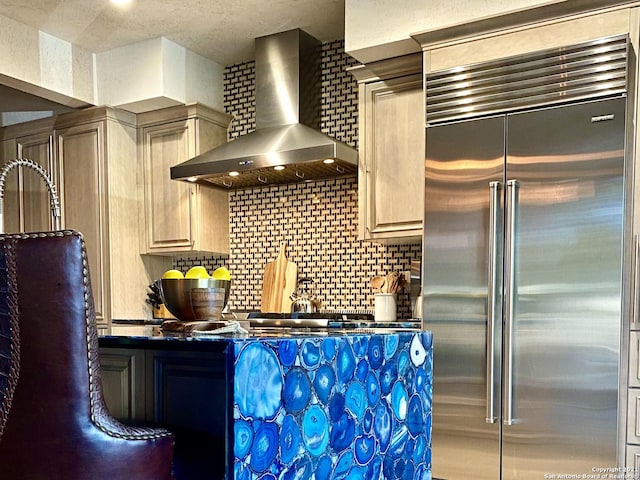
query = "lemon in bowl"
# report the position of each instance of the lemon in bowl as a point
(197, 272)
(172, 274)
(221, 274)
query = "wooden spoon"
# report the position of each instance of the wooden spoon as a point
(377, 283)
(393, 282)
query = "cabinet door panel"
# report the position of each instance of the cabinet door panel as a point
(123, 382)
(634, 359)
(12, 205)
(179, 216)
(81, 157)
(633, 460)
(168, 202)
(633, 420)
(393, 158)
(194, 380)
(36, 204)
(189, 397)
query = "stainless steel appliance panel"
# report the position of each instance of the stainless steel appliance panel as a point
(565, 171)
(522, 279)
(461, 160)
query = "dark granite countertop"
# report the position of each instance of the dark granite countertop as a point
(137, 321)
(212, 342)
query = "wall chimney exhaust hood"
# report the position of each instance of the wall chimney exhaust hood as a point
(287, 145)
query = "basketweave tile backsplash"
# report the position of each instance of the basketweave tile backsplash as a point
(317, 221)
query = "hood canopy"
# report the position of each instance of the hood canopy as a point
(287, 145)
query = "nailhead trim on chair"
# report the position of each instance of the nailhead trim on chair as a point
(14, 336)
(99, 414)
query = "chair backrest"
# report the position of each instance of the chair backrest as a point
(48, 277)
(53, 420)
(9, 337)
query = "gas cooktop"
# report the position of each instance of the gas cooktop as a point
(325, 321)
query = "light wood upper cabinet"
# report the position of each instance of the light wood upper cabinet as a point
(81, 166)
(36, 202)
(168, 203)
(12, 191)
(391, 142)
(101, 196)
(26, 199)
(178, 216)
(92, 157)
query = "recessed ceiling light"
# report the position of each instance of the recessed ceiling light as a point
(328, 160)
(192, 179)
(121, 3)
(234, 174)
(279, 167)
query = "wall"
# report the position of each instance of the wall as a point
(318, 220)
(138, 77)
(156, 73)
(43, 65)
(380, 29)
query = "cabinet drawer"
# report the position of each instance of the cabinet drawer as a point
(634, 359)
(633, 459)
(633, 417)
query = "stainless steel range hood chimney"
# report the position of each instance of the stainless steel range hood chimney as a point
(287, 145)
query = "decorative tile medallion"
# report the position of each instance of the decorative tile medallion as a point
(344, 407)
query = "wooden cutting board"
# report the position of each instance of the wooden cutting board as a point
(278, 283)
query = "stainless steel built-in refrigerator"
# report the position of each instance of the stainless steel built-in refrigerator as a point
(522, 285)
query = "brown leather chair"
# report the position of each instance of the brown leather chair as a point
(53, 419)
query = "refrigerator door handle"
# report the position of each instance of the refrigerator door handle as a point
(492, 298)
(509, 255)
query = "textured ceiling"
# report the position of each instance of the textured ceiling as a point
(221, 30)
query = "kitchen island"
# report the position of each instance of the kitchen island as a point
(305, 406)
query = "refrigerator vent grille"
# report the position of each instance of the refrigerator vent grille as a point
(588, 70)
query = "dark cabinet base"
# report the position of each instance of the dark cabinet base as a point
(181, 391)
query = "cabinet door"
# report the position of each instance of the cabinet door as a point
(12, 202)
(189, 390)
(168, 203)
(36, 206)
(632, 462)
(633, 417)
(634, 359)
(26, 199)
(392, 159)
(634, 304)
(123, 382)
(189, 398)
(81, 158)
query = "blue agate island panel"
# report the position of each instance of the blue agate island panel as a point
(349, 407)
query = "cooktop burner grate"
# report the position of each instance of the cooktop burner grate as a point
(324, 321)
